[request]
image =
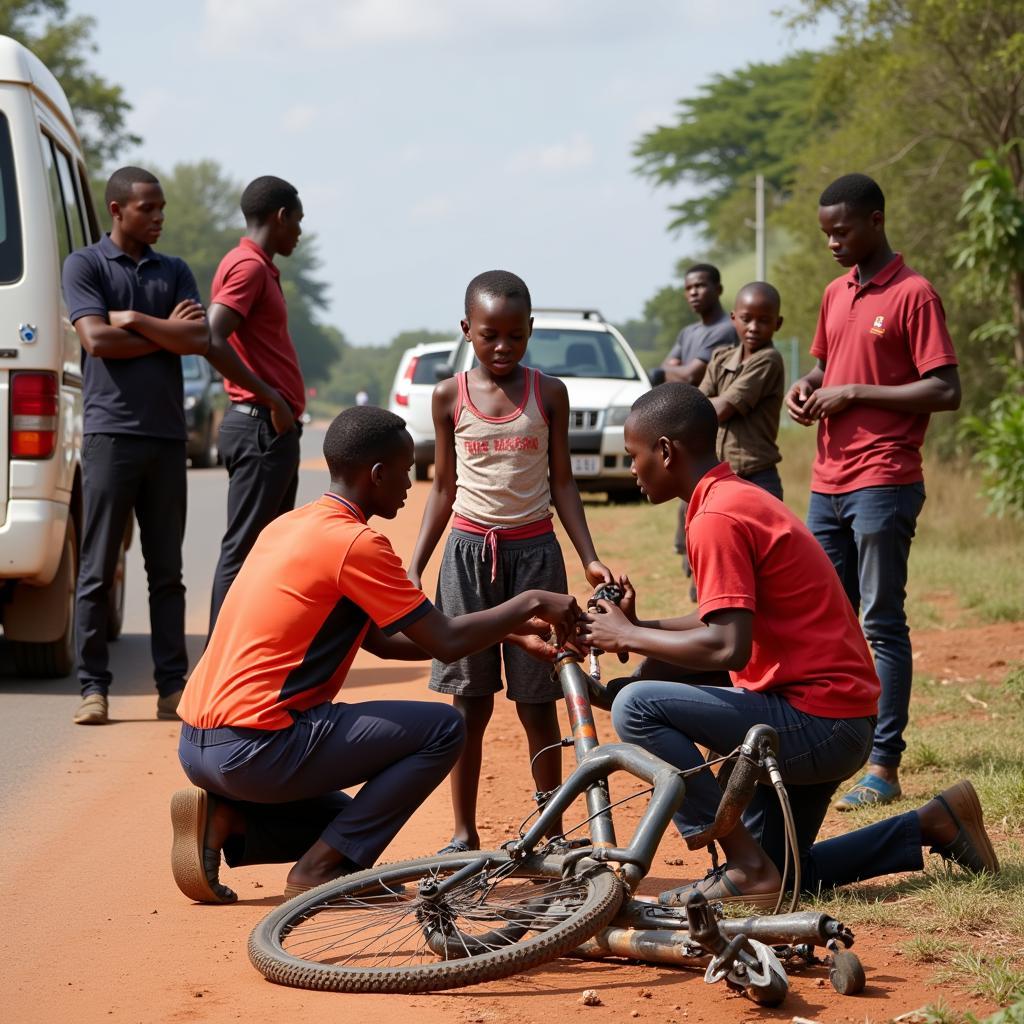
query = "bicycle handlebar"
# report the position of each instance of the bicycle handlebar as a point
(739, 790)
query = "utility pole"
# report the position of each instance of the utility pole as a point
(761, 261)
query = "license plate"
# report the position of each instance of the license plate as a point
(586, 465)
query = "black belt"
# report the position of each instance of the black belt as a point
(261, 412)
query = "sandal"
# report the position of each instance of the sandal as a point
(195, 867)
(869, 790)
(455, 846)
(971, 848)
(721, 890)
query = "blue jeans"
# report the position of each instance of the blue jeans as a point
(867, 535)
(815, 755)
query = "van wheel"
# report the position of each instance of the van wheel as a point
(422, 470)
(115, 613)
(55, 659)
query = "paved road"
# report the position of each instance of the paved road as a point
(35, 715)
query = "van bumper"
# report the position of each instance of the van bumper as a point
(32, 539)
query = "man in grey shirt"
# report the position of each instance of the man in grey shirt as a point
(689, 356)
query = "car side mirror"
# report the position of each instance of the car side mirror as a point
(657, 375)
(442, 372)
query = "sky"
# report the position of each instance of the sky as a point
(433, 139)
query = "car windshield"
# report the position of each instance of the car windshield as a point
(190, 368)
(574, 353)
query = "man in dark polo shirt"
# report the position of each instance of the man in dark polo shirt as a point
(885, 362)
(136, 312)
(259, 436)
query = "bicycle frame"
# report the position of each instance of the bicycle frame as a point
(691, 936)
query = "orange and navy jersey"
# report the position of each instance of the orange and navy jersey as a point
(295, 616)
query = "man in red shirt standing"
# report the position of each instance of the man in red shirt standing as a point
(885, 362)
(773, 613)
(259, 436)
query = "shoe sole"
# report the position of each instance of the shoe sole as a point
(188, 820)
(761, 903)
(972, 820)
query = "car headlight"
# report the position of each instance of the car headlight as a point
(617, 415)
(190, 402)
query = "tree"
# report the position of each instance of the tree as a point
(753, 121)
(63, 44)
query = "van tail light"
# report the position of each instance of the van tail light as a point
(33, 415)
(402, 394)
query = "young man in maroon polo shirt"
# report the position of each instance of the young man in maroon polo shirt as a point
(885, 362)
(773, 613)
(259, 436)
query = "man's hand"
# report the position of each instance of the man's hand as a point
(829, 401)
(628, 602)
(561, 611)
(188, 309)
(598, 573)
(608, 630)
(796, 400)
(534, 645)
(281, 416)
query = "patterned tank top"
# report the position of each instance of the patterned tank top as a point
(501, 463)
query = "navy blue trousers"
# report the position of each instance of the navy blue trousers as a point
(286, 782)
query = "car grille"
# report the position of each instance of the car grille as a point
(585, 419)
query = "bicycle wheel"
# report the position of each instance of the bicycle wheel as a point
(386, 929)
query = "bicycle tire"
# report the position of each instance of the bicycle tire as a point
(589, 901)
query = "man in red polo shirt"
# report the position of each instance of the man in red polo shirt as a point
(885, 362)
(773, 613)
(259, 436)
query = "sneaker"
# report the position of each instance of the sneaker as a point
(868, 790)
(92, 710)
(167, 707)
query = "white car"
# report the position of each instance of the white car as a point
(603, 377)
(420, 368)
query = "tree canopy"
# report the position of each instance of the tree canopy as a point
(63, 43)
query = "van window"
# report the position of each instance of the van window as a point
(70, 199)
(10, 217)
(56, 201)
(92, 231)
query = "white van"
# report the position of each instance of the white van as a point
(45, 212)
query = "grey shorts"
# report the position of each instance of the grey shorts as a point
(464, 585)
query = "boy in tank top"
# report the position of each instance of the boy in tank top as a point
(501, 461)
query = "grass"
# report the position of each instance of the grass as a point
(967, 569)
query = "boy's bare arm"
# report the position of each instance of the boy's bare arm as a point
(442, 491)
(565, 495)
(184, 332)
(724, 642)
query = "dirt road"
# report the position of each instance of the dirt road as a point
(96, 930)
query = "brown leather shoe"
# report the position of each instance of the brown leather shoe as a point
(972, 848)
(167, 707)
(195, 867)
(92, 710)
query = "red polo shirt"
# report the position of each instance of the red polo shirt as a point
(890, 331)
(749, 551)
(248, 282)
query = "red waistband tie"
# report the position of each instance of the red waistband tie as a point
(490, 534)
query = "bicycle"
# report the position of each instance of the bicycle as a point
(451, 920)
